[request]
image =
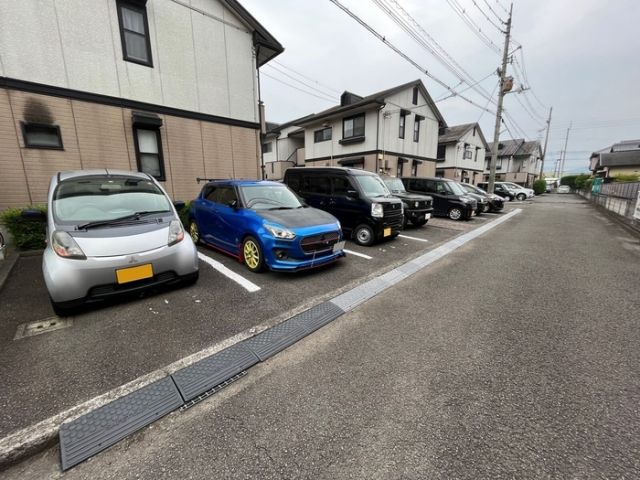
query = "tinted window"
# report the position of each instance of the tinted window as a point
(430, 186)
(317, 184)
(341, 185)
(225, 195)
(210, 193)
(293, 181)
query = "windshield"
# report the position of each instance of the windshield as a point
(372, 186)
(104, 198)
(269, 197)
(455, 188)
(394, 184)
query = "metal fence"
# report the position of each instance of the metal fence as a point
(620, 198)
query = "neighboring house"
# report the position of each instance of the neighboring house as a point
(282, 147)
(518, 161)
(461, 153)
(621, 158)
(394, 131)
(166, 87)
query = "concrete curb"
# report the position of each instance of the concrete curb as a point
(29, 441)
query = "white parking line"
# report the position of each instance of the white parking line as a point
(240, 280)
(413, 238)
(351, 252)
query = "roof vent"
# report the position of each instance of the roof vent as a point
(347, 98)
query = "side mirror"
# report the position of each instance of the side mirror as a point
(34, 214)
(352, 194)
(179, 204)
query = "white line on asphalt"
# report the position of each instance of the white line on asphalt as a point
(239, 279)
(351, 252)
(413, 238)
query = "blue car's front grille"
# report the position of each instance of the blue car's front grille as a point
(319, 243)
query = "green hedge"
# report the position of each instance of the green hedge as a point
(184, 215)
(27, 234)
(539, 187)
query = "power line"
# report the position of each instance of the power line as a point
(487, 105)
(490, 99)
(475, 28)
(486, 16)
(305, 77)
(300, 81)
(494, 12)
(401, 53)
(502, 7)
(299, 89)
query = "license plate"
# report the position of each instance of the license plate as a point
(126, 275)
(387, 232)
(338, 246)
(427, 216)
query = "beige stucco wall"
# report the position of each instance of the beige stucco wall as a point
(101, 136)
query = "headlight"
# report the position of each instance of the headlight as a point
(377, 210)
(280, 232)
(65, 246)
(176, 232)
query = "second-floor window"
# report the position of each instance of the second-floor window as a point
(322, 135)
(468, 154)
(353, 127)
(134, 32)
(442, 152)
(416, 129)
(401, 129)
(267, 147)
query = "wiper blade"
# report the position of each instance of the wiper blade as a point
(115, 221)
(281, 208)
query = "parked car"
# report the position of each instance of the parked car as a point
(417, 208)
(521, 193)
(111, 232)
(481, 200)
(449, 200)
(359, 199)
(498, 189)
(264, 225)
(564, 189)
(495, 203)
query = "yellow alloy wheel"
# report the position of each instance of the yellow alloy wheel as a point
(251, 253)
(193, 232)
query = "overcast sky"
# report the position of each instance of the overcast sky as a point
(580, 56)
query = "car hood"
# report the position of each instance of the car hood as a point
(298, 217)
(411, 196)
(121, 241)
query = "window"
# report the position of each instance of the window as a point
(440, 173)
(149, 152)
(399, 169)
(322, 135)
(416, 130)
(225, 195)
(134, 32)
(267, 147)
(414, 169)
(442, 149)
(318, 185)
(468, 154)
(475, 159)
(341, 185)
(353, 127)
(401, 129)
(293, 182)
(414, 100)
(38, 135)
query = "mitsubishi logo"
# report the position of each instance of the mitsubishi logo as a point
(133, 259)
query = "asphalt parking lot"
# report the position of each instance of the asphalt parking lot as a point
(109, 346)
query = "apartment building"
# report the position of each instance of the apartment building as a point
(518, 161)
(168, 87)
(461, 153)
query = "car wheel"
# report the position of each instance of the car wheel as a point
(252, 254)
(194, 232)
(485, 208)
(363, 235)
(521, 196)
(455, 213)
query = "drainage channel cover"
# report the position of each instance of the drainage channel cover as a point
(103, 427)
(318, 316)
(42, 326)
(276, 339)
(213, 370)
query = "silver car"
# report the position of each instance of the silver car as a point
(111, 232)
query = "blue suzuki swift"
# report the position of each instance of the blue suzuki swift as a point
(264, 224)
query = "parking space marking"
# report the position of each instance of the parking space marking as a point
(239, 279)
(357, 254)
(413, 238)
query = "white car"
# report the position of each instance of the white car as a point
(564, 189)
(521, 193)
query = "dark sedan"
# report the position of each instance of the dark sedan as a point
(496, 202)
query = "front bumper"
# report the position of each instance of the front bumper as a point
(290, 256)
(78, 281)
(418, 214)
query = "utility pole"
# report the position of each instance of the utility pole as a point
(501, 94)
(564, 152)
(546, 140)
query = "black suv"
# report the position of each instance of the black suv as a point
(499, 189)
(449, 200)
(359, 199)
(417, 208)
(496, 202)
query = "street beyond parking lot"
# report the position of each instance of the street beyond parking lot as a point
(107, 347)
(514, 357)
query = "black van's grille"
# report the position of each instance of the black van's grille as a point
(392, 214)
(319, 243)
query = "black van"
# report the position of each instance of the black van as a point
(359, 199)
(449, 200)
